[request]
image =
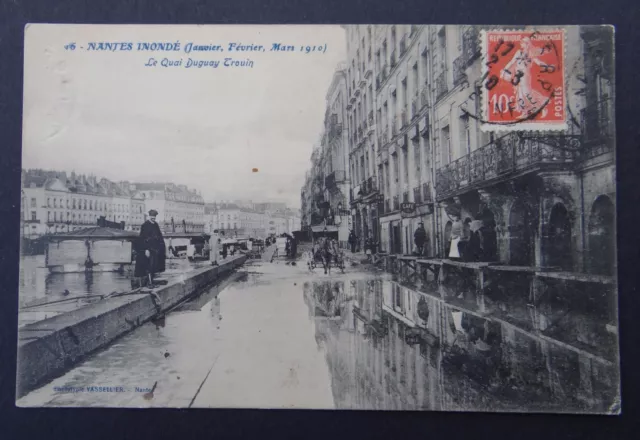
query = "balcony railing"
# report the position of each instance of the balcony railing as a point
(369, 186)
(426, 193)
(504, 156)
(417, 194)
(459, 68)
(396, 203)
(393, 59)
(470, 45)
(598, 128)
(441, 85)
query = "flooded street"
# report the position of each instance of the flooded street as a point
(274, 335)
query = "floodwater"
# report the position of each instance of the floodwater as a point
(55, 293)
(276, 336)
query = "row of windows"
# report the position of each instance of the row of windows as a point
(60, 216)
(89, 205)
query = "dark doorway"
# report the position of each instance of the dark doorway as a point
(602, 237)
(560, 238)
(521, 235)
(489, 241)
(397, 238)
(447, 239)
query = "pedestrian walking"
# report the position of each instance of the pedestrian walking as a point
(419, 238)
(353, 240)
(150, 252)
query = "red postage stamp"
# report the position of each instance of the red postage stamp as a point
(523, 85)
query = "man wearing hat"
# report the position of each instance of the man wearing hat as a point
(151, 251)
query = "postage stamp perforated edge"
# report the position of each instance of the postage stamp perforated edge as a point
(490, 127)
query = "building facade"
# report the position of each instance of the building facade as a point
(544, 199)
(179, 208)
(417, 153)
(54, 202)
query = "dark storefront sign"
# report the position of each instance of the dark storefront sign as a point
(408, 207)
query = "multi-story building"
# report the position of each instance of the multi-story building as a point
(335, 151)
(55, 204)
(362, 123)
(545, 198)
(418, 153)
(403, 156)
(179, 208)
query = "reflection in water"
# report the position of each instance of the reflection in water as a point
(391, 347)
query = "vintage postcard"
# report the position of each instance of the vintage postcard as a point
(389, 217)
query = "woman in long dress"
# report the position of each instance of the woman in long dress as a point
(456, 235)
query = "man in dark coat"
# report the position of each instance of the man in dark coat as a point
(151, 251)
(420, 237)
(353, 240)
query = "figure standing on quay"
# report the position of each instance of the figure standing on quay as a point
(151, 251)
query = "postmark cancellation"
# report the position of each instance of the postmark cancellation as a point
(523, 80)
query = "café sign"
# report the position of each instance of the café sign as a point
(407, 207)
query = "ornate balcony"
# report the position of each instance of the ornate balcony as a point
(459, 71)
(505, 157)
(441, 85)
(470, 45)
(598, 128)
(369, 187)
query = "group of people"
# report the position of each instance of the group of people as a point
(470, 241)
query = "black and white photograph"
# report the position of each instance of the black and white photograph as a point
(350, 217)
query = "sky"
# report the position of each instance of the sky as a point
(105, 113)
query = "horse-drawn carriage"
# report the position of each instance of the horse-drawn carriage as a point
(325, 256)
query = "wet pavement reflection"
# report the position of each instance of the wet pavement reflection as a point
(277, 336)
